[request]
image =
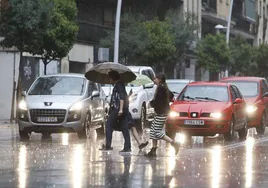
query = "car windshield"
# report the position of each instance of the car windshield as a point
(58, 85)
(205, 93)
(176, 87)
(247, 88)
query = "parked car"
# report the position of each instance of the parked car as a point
(144, 70)
(139, 101)
(207, 109)
(62, 103)
(177, 85)
(255, 92)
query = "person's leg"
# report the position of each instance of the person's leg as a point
(109, 127)
(137, 138)
(125, 131)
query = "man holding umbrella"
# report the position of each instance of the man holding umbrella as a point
(117, 74)
(119, 109)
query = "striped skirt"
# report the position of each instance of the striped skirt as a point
(156, 131)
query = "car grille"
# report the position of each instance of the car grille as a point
(59, 113)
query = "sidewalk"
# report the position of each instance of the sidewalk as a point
(6, 123)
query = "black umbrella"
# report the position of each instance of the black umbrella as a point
(99, 73)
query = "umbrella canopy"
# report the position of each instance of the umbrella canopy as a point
(141, 80)
(99, 73)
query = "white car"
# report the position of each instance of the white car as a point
(139, 101)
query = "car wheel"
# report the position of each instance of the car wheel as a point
(242, 133)
(230, 135)
(85, 132)
(142, 120)
(24, 135)
(261, 129)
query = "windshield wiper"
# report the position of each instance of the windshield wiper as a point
(188, 97)
(207, 98)
(174, 92)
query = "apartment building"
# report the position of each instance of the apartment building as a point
(262, 19)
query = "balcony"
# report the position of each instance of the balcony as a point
(91, 33)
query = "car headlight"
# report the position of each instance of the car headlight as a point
(22, 105)
(251, 109)
(133, 97)
(216, 115)
(173, 114)
(77, 106)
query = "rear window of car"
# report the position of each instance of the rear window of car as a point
(205, 93)
(247, 88)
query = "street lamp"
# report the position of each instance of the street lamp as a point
(218, 27)
(117, 31)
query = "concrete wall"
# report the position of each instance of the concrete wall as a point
(223, 7)
(8, 60)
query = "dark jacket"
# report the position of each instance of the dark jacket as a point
(119, 93)
(160, 103)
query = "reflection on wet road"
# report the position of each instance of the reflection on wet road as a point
(66, 161)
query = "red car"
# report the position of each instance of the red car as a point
(255, 93)
(207, 109)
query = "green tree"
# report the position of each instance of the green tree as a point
(241, 56)
(161, 43)
(132, 39)
(46, 27)
(60, 33)
(261, 61)
(213, 53)
(185, 29)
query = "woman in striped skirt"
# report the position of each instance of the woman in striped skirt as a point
(160, 103)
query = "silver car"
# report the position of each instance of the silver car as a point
(62, 103)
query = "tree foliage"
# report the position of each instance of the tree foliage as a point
(213, 53)
(261, 61)
(161, 42)
(132, 39)
(241, 56)
(46, 27)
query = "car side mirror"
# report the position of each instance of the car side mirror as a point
(265, 94)
(148, 86)
(238, 101)
(95, 94)
(23, 93)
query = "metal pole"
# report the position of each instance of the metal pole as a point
(117, 30)
(228, 29)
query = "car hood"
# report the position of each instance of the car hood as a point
(61, 101)
(194, 106)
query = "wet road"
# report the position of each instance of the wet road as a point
(66, 161)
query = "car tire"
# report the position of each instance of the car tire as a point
(142, 121)
(230, 135)
(85, 132)
(261, 129)
(242, 133)
(24, 135)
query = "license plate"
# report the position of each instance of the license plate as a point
(194, 122)
(47, 119)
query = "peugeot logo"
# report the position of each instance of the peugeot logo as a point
(48, 103)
